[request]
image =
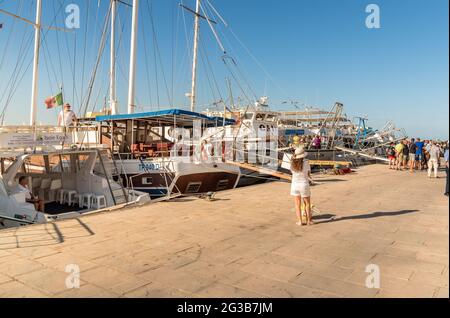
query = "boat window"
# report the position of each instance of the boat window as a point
(271, 118)
(223, 185)
(248, 116)
(147, 180)
(193, 187)
(260, 116)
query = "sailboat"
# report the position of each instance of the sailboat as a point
(65, 181)
(143, 142)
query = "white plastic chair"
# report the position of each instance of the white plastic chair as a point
(86, 200)
(70, 197)
(44, 193)
(98, 202)
(55, 187)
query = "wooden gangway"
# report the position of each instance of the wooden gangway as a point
(282, 175)
(362, 154)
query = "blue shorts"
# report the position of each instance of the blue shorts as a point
(419, 157)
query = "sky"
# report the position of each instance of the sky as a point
(311, 52)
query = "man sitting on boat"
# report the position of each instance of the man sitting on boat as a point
(22, 187)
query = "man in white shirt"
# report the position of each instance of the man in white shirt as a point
(67, 117)
(29, 197)
(433, 163)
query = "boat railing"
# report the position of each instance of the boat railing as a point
(28, 138)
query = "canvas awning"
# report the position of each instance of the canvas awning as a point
(170, 117)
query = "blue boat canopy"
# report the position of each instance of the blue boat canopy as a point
(170, 117)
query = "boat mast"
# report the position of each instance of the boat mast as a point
(132, 77)
(112, 85)
(37, 43)
(195, 56)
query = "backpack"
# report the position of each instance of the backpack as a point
(391, 151)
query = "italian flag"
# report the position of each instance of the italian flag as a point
(54, 101)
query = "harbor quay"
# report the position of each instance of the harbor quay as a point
(377, 233)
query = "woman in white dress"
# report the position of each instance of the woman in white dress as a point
(300, 190)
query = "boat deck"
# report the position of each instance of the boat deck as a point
(246, 244)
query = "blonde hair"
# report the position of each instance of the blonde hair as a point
(297, 165)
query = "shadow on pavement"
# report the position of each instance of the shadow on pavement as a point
(332, 218)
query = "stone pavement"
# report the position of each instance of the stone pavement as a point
(246, 244)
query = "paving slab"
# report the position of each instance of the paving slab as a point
(246, 244)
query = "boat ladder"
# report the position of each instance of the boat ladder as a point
(112, 175)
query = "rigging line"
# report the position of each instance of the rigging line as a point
(19, 64)
(212, 72)
(44, 38)
(75, 96)
(241, 72)
(257, 61)
(155, 39)
(22, 51)
(59, 51)
(17, 69)
(99, 55)
(207, 76)
(219, 42)
(48, 71)
(217, 13)
(15, 89)
(158, 101)
(119, 45)
(45, 47)
(245, 96)
(147, 67)
(119, 64)
(244, 78)
(237, 82)
(23, 61)
(173, 53)
(14, 21)
(238, 68)
(86, 28)
(74, 79)
(188, 38)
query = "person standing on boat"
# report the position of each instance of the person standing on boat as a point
(300, 189)
(67, 117)
(317, 142)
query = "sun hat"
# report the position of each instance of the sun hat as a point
(300, 153)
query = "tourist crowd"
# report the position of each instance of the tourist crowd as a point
(417, 154)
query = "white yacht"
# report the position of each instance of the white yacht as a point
(64, 180)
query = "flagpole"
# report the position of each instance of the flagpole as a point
(63, 118)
